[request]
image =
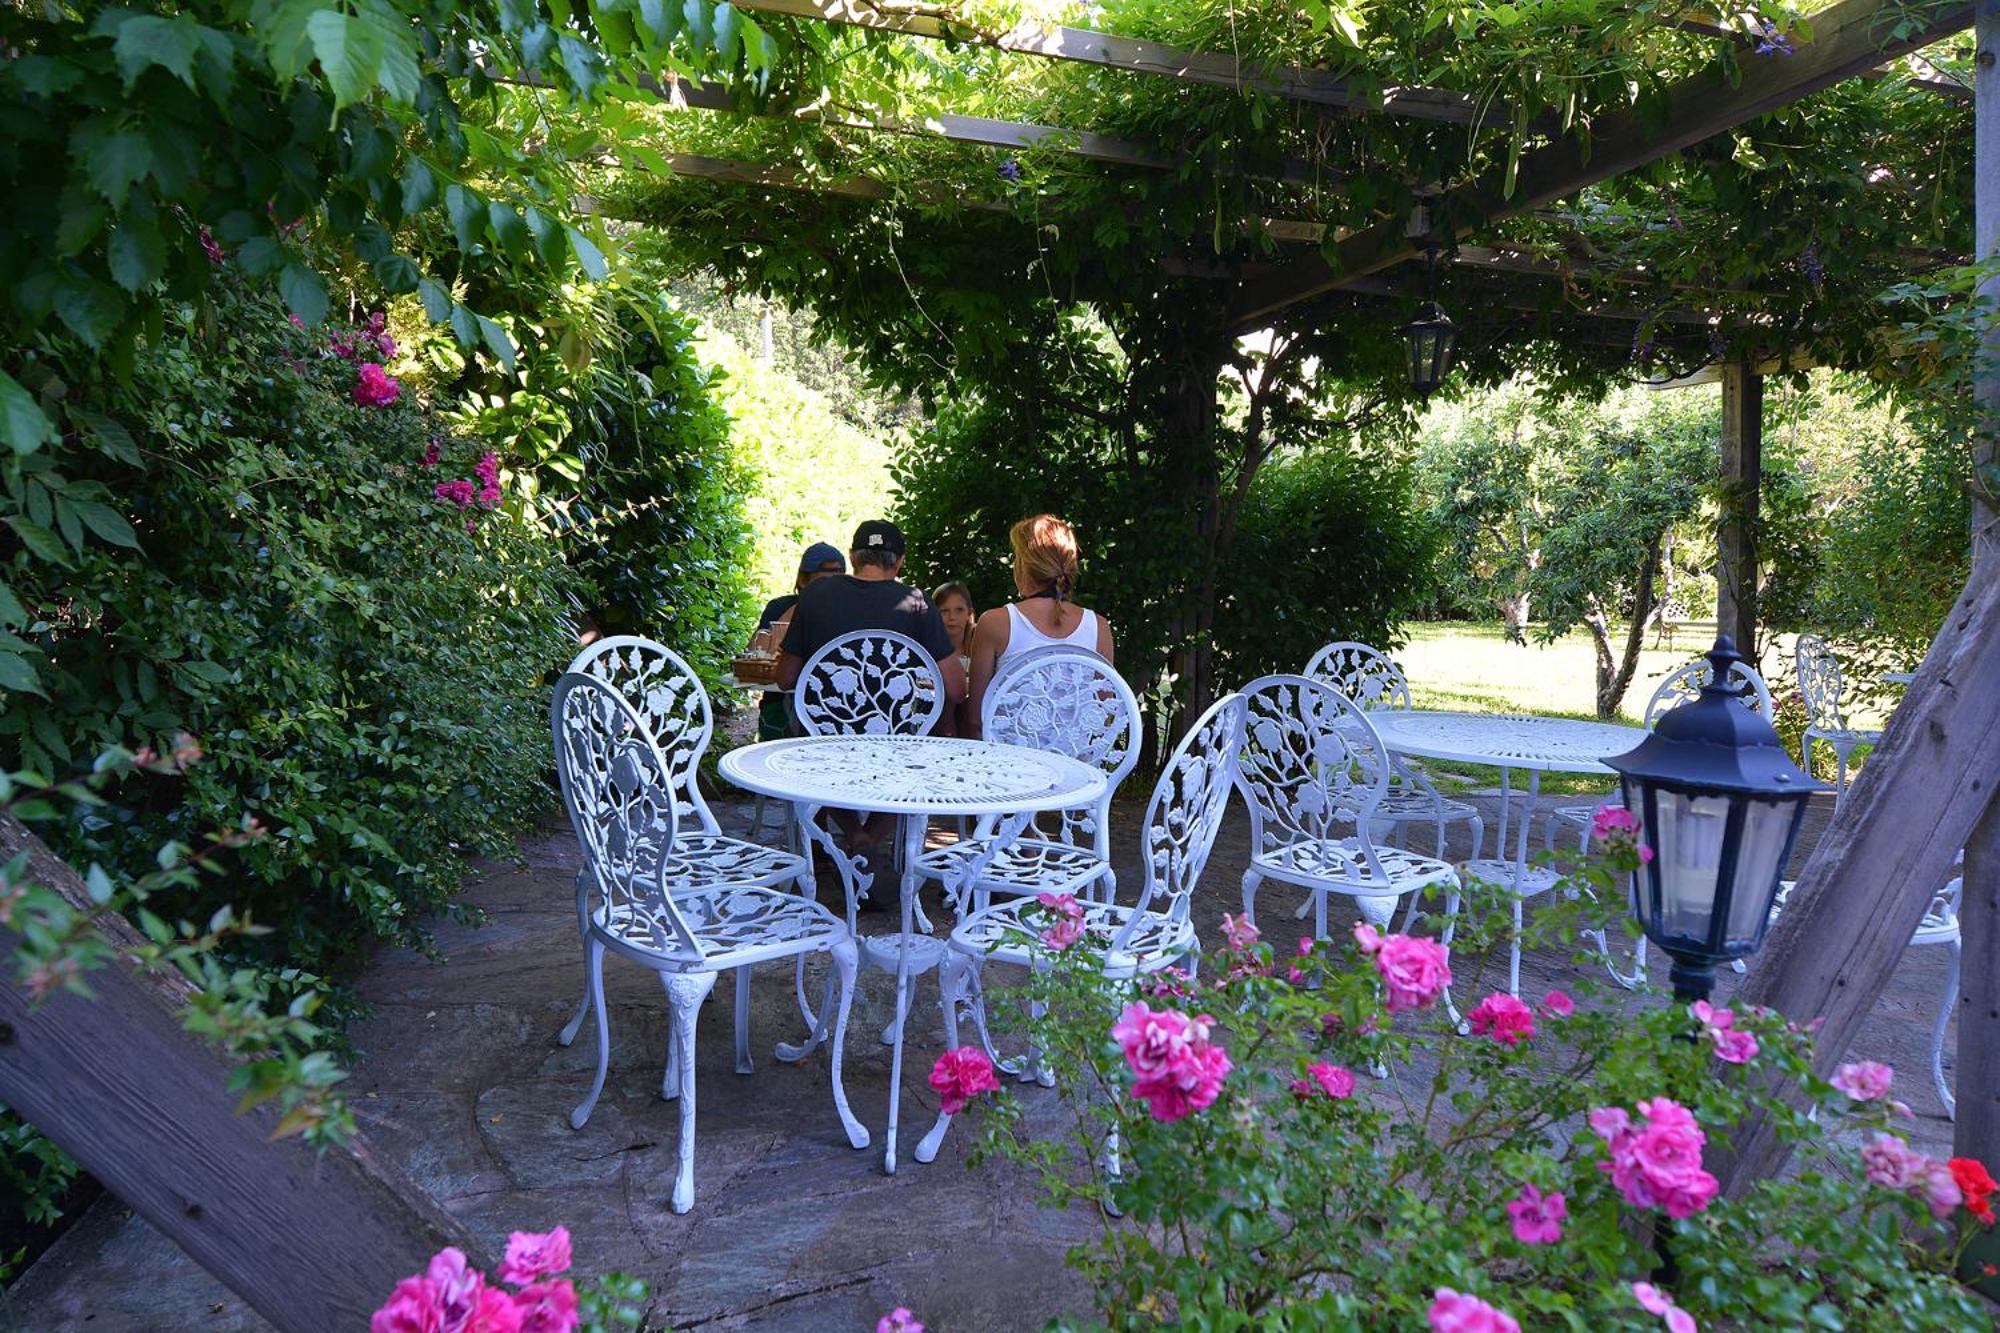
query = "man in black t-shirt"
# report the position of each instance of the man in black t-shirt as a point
(870, 597)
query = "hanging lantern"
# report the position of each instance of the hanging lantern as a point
(1431, 336)
(1719, 804)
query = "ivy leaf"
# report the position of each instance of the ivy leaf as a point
(90, 308)
(436, 298)
(303, 292)
(588, 255)
(114, 161)
(24, 425)
(18, 674)
(137, 255)
(145, 40)
(349, 51)
(38, 539)
(420, 189)
(466, 213)
(106, 522)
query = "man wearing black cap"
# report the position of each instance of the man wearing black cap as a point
(870, 596)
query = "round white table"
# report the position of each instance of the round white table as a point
(913, 777)
(1536, 745)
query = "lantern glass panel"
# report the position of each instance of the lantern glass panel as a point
(1767, 831)
(1687, 840)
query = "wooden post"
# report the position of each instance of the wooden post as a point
(313, 1241)
(1736, 527)
(1977, 1068)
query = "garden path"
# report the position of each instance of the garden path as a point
(457, 1077)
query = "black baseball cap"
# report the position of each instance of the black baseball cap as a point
(821, 558)
(878, 534)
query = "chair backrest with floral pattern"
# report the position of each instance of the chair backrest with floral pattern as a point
(1684, 685)
(1313, 771)
(871, 682)
(1365, 675)
(658, 685)
(1185, 814)
(1070, 702)
(1821, 683)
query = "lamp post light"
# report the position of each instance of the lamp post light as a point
(1719, 804)
(1431, 335)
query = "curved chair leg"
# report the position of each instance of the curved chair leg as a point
(594, 992)
(1251, 881)
(1478, 823)
(1840, 753)
(1945, 1006)
(743, 1065)
(685, 992)
(791, 1052)
(1514, 952)
(575, 1024)
(952, 976)
(846, 963)
(1452, 894)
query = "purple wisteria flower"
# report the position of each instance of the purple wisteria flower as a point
(1010, 171)
(1771, 42)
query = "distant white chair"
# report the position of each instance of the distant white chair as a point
(666, 695)
(620, 795)
(1063, 701)
(1314, 773)
(869, 683)
(1823, 686)
(1683, 685)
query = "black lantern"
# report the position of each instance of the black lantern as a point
(1719, 804)
(1431, 335)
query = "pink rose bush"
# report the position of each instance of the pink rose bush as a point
(1324, 1080)
(1893, 1164)
(1240, 933)
(1537, 1217)
(1733, 1045)
(1864, 1080)
(1454, 1312)
(451, 1296)
(1502, 1017)
(1618, 829)
(1415, 972)
(374, 388)
(1176, 1069)
(1654, 1301)
(961, 1074)
(1657, 1163)
(1068, 914)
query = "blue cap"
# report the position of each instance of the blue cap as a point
(822, 556)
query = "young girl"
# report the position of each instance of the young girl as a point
(1045, 572)
(954, 606)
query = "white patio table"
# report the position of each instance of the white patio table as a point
(1536, 745)
(913, 777)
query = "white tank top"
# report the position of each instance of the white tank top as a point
(1022, 636)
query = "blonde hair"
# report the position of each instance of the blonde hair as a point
(1045, 554)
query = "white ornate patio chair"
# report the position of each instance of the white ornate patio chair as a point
(871, 682)
(1314, 772)
(660, 687)
(1066, 702)
(1823, 686)
(620, 794)
(1157, 931)
(1683, 685)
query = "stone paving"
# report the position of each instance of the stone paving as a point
(458, 1077)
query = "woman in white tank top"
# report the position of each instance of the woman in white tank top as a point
(1045, 569)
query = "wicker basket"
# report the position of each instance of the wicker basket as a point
(755, 670)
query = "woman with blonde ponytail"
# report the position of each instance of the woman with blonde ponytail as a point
(1047, 613)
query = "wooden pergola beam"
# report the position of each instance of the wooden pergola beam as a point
(1138, 56)
(1851, 36)
(1943, 87)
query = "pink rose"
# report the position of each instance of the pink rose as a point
(1657, 1165)
(548, 1307)
(1655, 1301)
(374, 388)
(1367, 937)
(458, 1285)
(415, 1306)
(1062, 934)
(1414, 971)
(1538, 1217)
(898, 1320)
(1618, 827)
(1504, 1017)
(494, 1311)
(1240, 933)
(1452, 1312)
(1324, 1080)
(1938, 1188)
(1893, 1164)
(1736, 1048)
(1557, 1004)
(1864, 1080)
(961, 1074)
(1068, 928)
(1177, 1070)
(535, 1254)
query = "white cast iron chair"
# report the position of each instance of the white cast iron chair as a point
(620, 795)
(1314, 772)
(1823, 686)
(1067, 702)
(659, 686)
(1156, 932)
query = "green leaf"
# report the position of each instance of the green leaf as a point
(508, 229)
(11, 611)
(436, 298)
(208, 671)
(111, 436)
(550, 243)
(18, 674)
(467, 212)
(727, 35)
(23, 424)
(91, 309)
(42, 75)
(349, 51)
(303, 292)
(588, 255)
(583, 65)
(420, 189)
(662, 18)
(137, 254)
(38, 539)
(536, 43)
(396, 72)
(465, 327)
(82, 218)
(106, 522)
(260, 255)
(114, 161)
(497, 342)
(145, 40)
(398, 274)
(700, 34)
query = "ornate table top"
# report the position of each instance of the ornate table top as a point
(1548, 744)
(928, 775)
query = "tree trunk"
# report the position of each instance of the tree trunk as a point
(313, 1241)
(1194, 350)
(1514, 611)
(1611, 689)
(1599, 625)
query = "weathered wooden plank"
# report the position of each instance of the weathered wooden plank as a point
(1890, 846)
(1847, 38)
(312, 1241)
(1138, 56)
(1977, 1132)
(1742, 471)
